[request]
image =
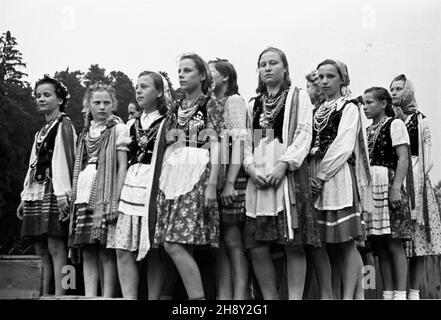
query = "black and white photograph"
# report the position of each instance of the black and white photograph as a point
(237, 152)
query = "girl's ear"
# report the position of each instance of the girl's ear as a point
(60, 101)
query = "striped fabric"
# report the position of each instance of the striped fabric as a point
(83, 228)
(236, 211)
(378, 222)
(41, 218)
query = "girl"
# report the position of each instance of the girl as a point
(389, 224)
(338, 153)
(145, 131)
(425, 212)
(232, 264)
(187, 204)
(278, 198)
(44, 206)
(100, 169)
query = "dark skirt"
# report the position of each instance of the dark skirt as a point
(41, 218)
(83, 232)
(186, 220)
(235, 212)
(268, 229)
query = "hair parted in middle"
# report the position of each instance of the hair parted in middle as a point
(261, 87)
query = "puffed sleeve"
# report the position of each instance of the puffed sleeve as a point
(343, 145)
(297, 151)
(122, 137)
(63, 159)
(398, 133)
(236, 117)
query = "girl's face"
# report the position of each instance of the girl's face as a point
(218, 78)
(189, 77)
(47, 100)
(373, 107)
(271, 69)
(329, 80)
(396, 91)
(310, 89)
(133, 113)
(146, 93)
(101, 105)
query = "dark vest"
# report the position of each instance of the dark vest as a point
(136, 153)
(278, 121)
(45, 152)
(412, 129)
(323, 139)
(383, 153)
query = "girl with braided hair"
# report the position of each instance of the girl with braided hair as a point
(99, 173)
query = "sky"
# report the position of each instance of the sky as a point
(376, 39)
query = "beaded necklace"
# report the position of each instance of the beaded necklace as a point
(372, 133)
(322, 115)
(271, 107)
(186, 112)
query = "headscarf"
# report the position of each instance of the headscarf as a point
(342, 69)
(407, 104)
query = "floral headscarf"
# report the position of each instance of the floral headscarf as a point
(407, 104)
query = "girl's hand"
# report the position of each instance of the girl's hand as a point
(20, 210)
(316, 186)
(276, 175)
(395, 197)
(63, 208)
(210, 195)
(258, 178)
(228, 194)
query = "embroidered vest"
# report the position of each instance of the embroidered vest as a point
(383, 153)
(138, 154)
(412, 129)
(45, 152)
(323, 139)
(278, 121)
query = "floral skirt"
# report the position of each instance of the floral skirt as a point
(127, 233)
(185, 219)
(83, 231)
(40, 217)
(385, 219)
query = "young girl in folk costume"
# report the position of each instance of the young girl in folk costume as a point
(44, 206)
(232, 264)
(425, 212)
(339, 166)
(278, 196)
(389, 224)
(99, 172)
(318, 264)
(140, 187)
(187, 204)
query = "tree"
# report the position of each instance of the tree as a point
(125, 93)
(72, 80)
(10, 59)
(18, 123)
(96, 74)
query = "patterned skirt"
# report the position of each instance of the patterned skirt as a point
(185, 219)
(83, 231)
(41, 217)
(127, 233)
(338, 226)
(236, 211)
(420, 245)
(385, 219)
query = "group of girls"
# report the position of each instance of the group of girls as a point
(202, 169)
